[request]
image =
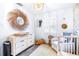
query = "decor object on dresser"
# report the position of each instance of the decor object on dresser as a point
(18, 19)
(20, 42)
(40, 41)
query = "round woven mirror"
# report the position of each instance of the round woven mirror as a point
(18, 19)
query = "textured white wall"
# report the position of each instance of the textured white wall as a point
(52, 16)
(6, 29)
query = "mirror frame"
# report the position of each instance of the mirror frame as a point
(12, 17)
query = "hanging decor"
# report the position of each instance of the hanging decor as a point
(18, 19)
(64, 26)
(38, 6)
(40, 23)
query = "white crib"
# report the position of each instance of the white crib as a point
(66, 44)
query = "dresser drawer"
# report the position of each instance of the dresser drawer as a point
(30, 40)
(19, 39)
(30, 43)
(19, 44)
(20, 49)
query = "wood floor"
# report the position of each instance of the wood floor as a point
(28, 51)
(43, 50)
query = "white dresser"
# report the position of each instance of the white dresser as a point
(20, 42)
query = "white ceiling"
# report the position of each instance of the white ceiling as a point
(53, 6)
(48, 6)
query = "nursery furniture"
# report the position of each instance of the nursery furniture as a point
(20, 42)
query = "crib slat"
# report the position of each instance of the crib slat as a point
(74, 44)
(77, 47)
(71, 46)
(67, 45)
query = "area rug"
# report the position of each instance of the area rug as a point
(44, 50)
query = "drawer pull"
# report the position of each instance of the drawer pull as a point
(21, 40)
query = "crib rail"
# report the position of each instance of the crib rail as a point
(68, 44)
